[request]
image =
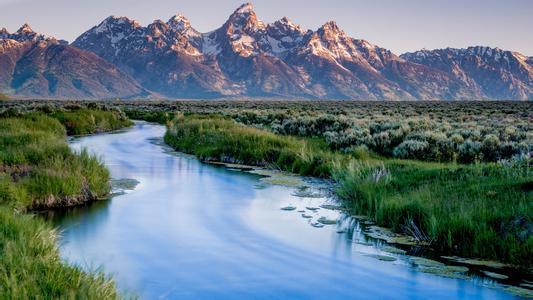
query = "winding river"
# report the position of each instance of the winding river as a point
(191, 230)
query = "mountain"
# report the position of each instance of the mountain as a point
(496, 73)
(35, 66)
(246, 57)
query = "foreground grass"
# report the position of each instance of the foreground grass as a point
(30, 267)
(39, 171)
(481, 210)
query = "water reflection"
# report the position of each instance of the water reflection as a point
(191, 230)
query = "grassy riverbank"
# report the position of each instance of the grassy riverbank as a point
(477, 210)
(39, 171)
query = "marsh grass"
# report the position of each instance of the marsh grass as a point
(88, 121)
(215, 138)
(30, 266)
(39, 170)
(478, 210)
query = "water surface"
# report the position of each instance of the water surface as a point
(191, 230)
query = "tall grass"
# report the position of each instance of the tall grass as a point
(36, 159)
(473, 211)
(30, 266)
(214, 138)
(38, 170)
(481, 210)
(87, 121)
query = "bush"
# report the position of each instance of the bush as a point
(470, 152)
(412, 149)
(491, 148)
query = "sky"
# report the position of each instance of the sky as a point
(398, 25)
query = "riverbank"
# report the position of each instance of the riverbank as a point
(478, 210)
(38, 171)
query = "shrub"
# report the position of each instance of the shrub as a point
(412, 149)
(470, 152)
(491, 148)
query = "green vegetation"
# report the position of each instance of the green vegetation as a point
(39, 171)
(456, 174)
(219, 139)
(478, 210)
(86, 121)
(30, 266)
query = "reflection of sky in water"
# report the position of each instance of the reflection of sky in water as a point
(193, 230)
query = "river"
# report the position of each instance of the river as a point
(191, 230)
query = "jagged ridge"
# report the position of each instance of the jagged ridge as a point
(35, 66)
(247, 57)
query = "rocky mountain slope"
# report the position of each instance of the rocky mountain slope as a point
(35, 66)
(496, 73)
(246, 57)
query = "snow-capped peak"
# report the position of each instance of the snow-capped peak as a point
(287, 25)
(331, 27)
(245, 18)
(179, 23)
(246, 8)
(25, 29)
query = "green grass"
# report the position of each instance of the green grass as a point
(479, 210)
(30, 266)
(39, 171)
(472, 211)
(87, 121)
(214, 138)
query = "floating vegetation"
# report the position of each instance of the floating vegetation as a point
(124, 184)
(389, 236)
(495, 275)
(238, 167)
(393, 250)
(307, 192)
(288, 208)
(477, 262)
(306, 216)
(312, 208)
(424, 262)
(520, 292)
(331, 207)
(326, 221)
(382, 257)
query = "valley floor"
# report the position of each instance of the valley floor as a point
(471, 199)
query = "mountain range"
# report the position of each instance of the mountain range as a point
(245, 57)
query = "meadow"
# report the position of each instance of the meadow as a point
(476, 210)
(39, 171)
(456, 175)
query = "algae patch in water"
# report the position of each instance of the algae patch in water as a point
(437, 268)
(382, 257)
(393, 250)
(120, 186)
(278, 178)
(477, 262)
(494, 275)
(326, 221)
(288, 208)
(306, 192)
(331, 207)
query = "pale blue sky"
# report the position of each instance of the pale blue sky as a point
(399, 25)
